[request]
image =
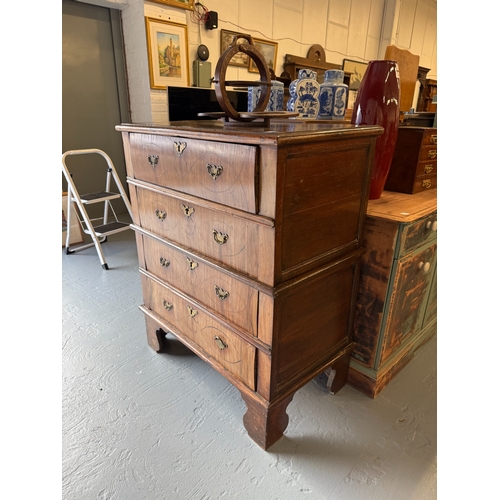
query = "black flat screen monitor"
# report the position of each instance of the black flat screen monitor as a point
(184, 103)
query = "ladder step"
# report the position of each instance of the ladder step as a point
(112, 227)
(99, 196)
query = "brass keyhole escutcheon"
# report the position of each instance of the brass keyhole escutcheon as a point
(192, 264)
(188, 211)
(161, 214)
(214, 170)
(153, 160)
(221, 293)
(179, 147)
(434, 139)
(192, 312)
(220, 343)
(426, 184)
(219, 237)
(168, 305)
(164, 262)
(432, 154)
(428, 169)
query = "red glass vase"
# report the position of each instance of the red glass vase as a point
(377, 103)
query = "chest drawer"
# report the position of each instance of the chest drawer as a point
(219, 291)
(216, 171)
(418, 233)
(216, 340)
(240, 243)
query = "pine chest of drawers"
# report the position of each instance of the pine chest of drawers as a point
(414, 165)
(249, 242)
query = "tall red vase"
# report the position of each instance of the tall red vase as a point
(377, 103)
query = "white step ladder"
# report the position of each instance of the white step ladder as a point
(98, 232)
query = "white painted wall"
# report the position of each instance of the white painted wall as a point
(352, 29)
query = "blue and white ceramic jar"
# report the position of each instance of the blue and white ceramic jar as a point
(307, 90)
(333, 96)
(276, 97)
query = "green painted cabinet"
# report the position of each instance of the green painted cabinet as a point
(396, 310)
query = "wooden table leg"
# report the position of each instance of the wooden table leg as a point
(338, 372)
(265, 422)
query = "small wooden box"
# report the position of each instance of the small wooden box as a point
(414, 166)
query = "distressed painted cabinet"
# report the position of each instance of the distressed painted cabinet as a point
(249, 242)
(396, 310)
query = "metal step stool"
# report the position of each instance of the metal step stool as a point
(99, 232)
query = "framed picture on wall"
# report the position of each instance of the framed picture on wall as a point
(167, 54)
(357, 70)
(182, 4)
(76, 230)
(269, 50)
(226, 38)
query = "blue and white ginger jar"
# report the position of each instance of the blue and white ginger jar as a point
(276, 97)
(304, 95)
(333, 96)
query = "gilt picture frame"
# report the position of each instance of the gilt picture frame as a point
(226, 38)
(181, 4)
(357, 70)
(270, 52)
(167, 53)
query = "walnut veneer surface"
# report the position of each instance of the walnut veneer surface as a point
(249, 242)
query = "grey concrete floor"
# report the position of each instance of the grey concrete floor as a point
(141, 425)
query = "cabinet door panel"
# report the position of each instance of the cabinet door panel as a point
(410, 290)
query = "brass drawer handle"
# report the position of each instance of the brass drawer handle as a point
(432, 154)
(434, 139)
(221, 293)
(214, 170)
(168, 305)
(428, 169)
(219, 237)
(153, 160)
(192, 264)
(188, 211)
(426, 183)
(192, 312)
(160, 214)
(164, 262)
(220, 343)
(179, 147)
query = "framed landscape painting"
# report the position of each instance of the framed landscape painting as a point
(226, 38)
(269, 50)
(167, 54)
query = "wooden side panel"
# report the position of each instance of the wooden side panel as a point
(312, 317)
(376, 265)
(266, 318)
(221, 172)
(323, 208)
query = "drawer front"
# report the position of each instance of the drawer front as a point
(418, 233)
(219, 291)
(424, 183)
(217, 341)
(430, 137)
(426, 168)
(237, 242)
(428, 153)
(216, 171)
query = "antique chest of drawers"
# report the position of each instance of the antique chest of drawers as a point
(249, 242)
(396, 310)
(414, 165)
